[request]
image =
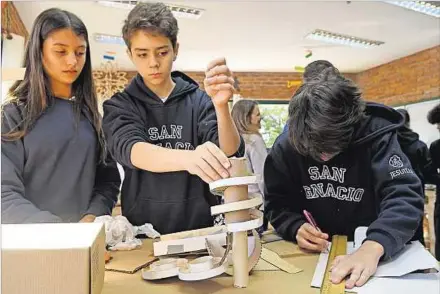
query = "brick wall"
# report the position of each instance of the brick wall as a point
(409, 79)
(260, 85)
(406, 80)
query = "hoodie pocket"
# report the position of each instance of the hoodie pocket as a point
(170, 217)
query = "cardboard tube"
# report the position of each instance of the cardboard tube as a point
(240, 259)
(238, 167)
(234, 194)
(239, 241)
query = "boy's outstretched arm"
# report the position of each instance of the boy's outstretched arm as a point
(128, 143)
(219, 85)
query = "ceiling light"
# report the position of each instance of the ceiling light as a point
(329, 37)
(119, 4)
(431, 8)
(108, 39)
(178, 10)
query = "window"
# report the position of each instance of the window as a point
(274, 117)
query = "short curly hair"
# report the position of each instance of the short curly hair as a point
(315, 68)
(434, 115)
(150, 17)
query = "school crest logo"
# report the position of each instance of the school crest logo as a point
(395, 161)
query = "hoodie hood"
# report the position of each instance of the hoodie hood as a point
(184, 85)
(379, 119)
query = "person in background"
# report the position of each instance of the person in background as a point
(54, 164)
(434, 149)
(311, 71)
(418, 155)
(416, 150)
(247, 119)
(341, 161)
(171, 137)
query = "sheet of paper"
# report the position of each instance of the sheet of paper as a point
(412, 258)
(360, 234)
(409, 284)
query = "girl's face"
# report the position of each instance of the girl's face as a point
(256, 118)
(64, 56)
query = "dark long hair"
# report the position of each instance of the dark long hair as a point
(34, 91)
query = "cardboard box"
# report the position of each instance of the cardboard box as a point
(52, 258)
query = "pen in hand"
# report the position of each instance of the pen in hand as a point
(312, 221)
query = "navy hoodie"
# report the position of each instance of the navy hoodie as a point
(418, 155)
(172, 201)
(371, 184)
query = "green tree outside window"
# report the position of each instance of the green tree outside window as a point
(274, 119)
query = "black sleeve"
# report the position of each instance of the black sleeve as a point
(15, 207)
(106, 190)
(400, 193)
(434, 150)
(434, 164)
(428, 169)
(123, 127)
(282, 194)
(207, 125)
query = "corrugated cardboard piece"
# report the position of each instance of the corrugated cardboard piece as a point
(53, 258)
(129, 261)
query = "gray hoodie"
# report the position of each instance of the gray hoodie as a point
(52, 174)
(256, 154)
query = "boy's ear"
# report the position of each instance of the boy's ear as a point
(176, 51)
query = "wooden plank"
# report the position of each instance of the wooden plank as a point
(274, 259)
(339, 247)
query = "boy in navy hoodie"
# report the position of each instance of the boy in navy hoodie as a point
(341, 161)
(171, 137)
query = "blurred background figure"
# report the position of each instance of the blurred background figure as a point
(247, 118)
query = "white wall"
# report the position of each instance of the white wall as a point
(12, 57)
(418, 120)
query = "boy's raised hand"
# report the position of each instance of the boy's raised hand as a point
(208, 162)
(219, 84)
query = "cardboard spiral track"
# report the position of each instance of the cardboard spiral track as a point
(241, 216)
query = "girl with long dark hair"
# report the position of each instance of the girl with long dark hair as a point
(55, 166)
